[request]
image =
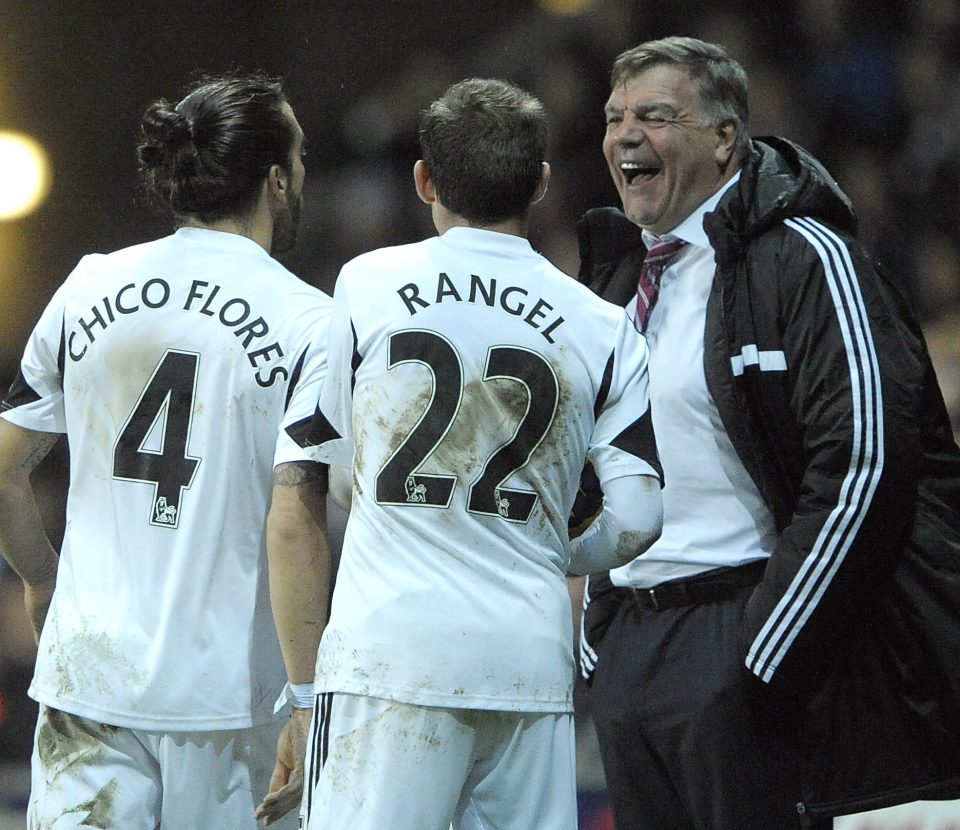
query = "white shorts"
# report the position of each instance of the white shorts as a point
(87, 774)
(375, 764)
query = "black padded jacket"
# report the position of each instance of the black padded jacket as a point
(823, 382)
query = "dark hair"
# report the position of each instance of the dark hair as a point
(721, 81)
(208, 155)
(483, 143)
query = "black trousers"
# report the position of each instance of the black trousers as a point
(686, 744)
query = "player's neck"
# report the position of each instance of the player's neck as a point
(443, 220)
(249, 226)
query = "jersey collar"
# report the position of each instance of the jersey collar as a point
(487, 242)
(220, 239)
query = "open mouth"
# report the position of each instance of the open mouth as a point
(634, 170)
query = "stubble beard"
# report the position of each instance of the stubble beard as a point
(285, 226)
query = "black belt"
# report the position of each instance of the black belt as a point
(712, 586)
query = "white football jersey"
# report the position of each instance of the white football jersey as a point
(473, 378)
(169, 366)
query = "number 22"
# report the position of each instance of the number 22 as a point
(399, 483)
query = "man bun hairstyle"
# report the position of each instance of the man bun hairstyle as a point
(208, 155)
(721, 81)
(483, 143)
(167, 140)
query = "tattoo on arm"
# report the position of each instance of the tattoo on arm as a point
(297, 473)
(38, 451)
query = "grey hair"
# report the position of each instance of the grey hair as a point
(721, 82)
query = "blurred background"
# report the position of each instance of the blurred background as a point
(872, 88)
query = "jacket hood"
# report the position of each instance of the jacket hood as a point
(779, 180)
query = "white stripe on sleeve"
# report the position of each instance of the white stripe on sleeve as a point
(866, 461)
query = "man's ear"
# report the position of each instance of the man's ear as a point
(726, 138)
(541, 190)
(277, 182)
(424, 184)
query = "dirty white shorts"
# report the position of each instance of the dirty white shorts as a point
(374, 764)
(87, 774)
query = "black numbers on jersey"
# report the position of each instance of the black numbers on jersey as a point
(399, 481)
(152, 446)
(488, 495)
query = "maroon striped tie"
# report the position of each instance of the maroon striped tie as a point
(648, 286)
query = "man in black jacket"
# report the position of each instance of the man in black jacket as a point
(788, 650)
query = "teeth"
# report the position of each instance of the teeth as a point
(629, 165)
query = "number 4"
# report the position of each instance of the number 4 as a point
(152, 446)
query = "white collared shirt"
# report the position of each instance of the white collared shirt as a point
(713, 513)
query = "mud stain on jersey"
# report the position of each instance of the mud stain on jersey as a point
(373, 673)
(93, 662)
(361, 673)
(357, 483)
(399, 425)
(356, 469)
(63, 674)
(489, 415)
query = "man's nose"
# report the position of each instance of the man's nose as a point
(630, 137)
(630, 133)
